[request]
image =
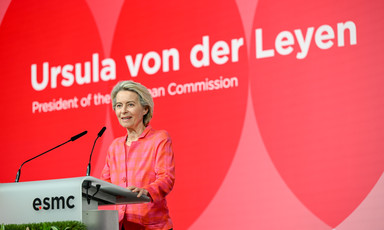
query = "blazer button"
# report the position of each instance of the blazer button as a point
(124, 179)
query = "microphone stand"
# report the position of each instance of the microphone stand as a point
(101, 132)
(72, 139)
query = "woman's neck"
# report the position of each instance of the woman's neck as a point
(134, 134)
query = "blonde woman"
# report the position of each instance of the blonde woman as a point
(142, 160)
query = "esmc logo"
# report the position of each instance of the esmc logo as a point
(52, 203)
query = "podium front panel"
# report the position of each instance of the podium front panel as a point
(40, 201)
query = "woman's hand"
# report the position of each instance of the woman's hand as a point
(140, 191)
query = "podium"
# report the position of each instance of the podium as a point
(62, 200)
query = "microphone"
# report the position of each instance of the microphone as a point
(78, 136)
(94, 143)
(72, 139)
(101, 132)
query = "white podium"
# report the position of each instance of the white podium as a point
(64, 199)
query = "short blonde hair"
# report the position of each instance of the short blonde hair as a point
(145, 97)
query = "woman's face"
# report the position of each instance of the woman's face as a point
(129, 111)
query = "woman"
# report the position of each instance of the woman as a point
(141, 161)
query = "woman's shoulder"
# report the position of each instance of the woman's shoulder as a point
(159, 133)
